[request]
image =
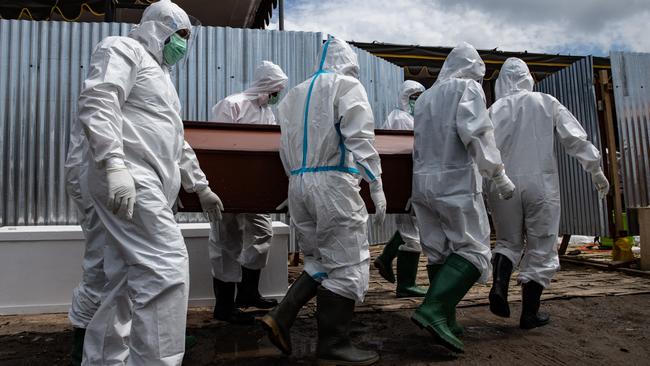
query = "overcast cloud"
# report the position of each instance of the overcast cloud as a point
(551, 26)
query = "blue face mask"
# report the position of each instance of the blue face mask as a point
(411, 107)
(175, 49)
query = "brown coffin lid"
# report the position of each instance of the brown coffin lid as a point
(238, 158)
(218, 136)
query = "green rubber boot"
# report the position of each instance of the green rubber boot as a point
(454, 326)
(384, 263)
(407, 271)
(448, 287)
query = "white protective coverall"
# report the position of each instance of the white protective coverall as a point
(245, 239)
(87, 296)
(526, 124)
(327, 146)
(130, 113)
(454, 146)
(401, 119)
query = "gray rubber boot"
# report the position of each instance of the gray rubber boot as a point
(334, 314)
(278, 321)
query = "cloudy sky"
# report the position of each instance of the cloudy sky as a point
(549, 26)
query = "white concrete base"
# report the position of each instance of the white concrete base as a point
(41, 265)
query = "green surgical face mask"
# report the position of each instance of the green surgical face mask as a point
(174, 49)
(411, 107)
(274, 99)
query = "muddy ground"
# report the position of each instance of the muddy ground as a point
(610, 330)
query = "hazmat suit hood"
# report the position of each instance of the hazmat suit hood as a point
(268, 79)
(409, 87)
(513, 77)
(337, 56)
(159, 21)
(463, 62)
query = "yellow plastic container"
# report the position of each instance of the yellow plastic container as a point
(607, 242)
(622, 250)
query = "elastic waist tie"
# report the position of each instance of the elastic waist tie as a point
(325, 169)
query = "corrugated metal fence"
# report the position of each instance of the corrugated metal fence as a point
(42, 66)
(582, 212)
(631, 79)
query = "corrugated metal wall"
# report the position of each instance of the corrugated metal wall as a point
(42, 66)
(582, 212)
(631, 79)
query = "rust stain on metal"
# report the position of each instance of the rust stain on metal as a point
(242, 163)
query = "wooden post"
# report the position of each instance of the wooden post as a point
(644, 228)
(564, 244)
(614, 181)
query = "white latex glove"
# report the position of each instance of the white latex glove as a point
(121, 191)
(379, 199)
(504, 185)
(601, 183)
(409, 205)
(210, 203)
(283, 205)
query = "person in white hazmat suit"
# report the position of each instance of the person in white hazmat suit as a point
(327, 146)
(130, 113)
(526, 125)
(240, 243)
(405, 243)
(454, 146)
(86, 297)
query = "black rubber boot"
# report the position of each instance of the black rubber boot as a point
(384, 263)
(334, 314)
(278, 321)
(501, 271)
(530, 316)
(248, 294)
(224, 308)
(407, 272)
(76, 356)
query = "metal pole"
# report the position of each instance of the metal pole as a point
(281, 14)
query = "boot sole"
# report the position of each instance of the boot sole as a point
(499, 306)
(274, 334)
(383, 272)
(437, 336)
(323, 362)
(401, 294)
(256, 306)
(534, 325)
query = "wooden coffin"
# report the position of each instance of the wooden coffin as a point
(242, 163)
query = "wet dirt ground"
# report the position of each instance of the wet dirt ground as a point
(598, 318)
(611, 330)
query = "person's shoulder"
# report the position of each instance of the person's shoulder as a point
(120, 41)
(233, 98)
(348, 79)
(544, 96)
(120, 45)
